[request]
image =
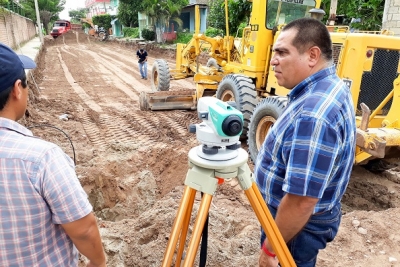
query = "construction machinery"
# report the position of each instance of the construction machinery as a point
(239, 70)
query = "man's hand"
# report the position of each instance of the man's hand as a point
(266, 261)
(85, 235)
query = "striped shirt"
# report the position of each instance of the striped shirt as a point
(39, 191)
(310, 149)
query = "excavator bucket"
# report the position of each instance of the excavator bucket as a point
(169, 100)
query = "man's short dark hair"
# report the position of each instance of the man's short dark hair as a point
(311, 32)
(141, 49)
(5, 94)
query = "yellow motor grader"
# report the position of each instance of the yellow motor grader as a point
(239, 70)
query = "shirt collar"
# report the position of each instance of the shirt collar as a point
(304, 85)
(14, 126)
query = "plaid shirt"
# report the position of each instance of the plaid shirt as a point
(39, 191)
(310, 149)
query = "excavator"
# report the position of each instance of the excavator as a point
(239, 70)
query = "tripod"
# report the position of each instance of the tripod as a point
(204, 176)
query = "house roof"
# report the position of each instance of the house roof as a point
(198, 2)
(204, 2)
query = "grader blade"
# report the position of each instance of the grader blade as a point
(168, 100)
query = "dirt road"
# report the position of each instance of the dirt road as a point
(133, 163)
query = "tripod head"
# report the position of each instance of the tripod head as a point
(220, 129)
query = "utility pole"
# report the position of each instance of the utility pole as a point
(38, 22)
(332, 13)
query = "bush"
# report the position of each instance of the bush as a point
(148, 35)
(240, 29)
(183, 37)
(131, 32)
(212, 32)
(86, 25)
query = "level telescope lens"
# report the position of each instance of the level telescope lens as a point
(232, 125)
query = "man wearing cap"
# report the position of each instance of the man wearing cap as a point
(45, 214)
(141, 55)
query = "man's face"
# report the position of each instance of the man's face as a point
(291, 67)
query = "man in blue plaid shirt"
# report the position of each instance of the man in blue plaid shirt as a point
(304, 165)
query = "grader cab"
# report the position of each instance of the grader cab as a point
(239, 70)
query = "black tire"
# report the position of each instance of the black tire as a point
(143, 105)
(101, 35)
(160, 76)
(241, 90)
(264, 116)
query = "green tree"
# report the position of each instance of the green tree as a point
(238, 12)
(48, 10)
(162, 12)
(102, 21)
(128, 12)
(369, 11)
(3, 2)
(78, 14)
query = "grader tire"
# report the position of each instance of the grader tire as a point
(160, 76)
(264, 116)
(241, 90)
(143, 104)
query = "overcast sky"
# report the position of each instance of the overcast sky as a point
(71, 5)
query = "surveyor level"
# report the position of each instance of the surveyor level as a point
(204, 176)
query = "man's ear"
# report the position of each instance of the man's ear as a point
(314, 54)
(16, 92)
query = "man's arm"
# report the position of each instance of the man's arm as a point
(85, 235)
(293, 213)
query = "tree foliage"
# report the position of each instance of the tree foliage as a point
(48, 10)
(238, 12)
(128, 12)
(102, 21)
(78, 14)
(161, 12)
(369, 11)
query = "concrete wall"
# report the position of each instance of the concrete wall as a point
(391, 16)
(15, 29)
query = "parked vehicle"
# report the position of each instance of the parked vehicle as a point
(102, 33)
(60, 27)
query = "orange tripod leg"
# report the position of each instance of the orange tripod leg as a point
(185, 227)
(269, 226)
(198, 230)
(176, 228)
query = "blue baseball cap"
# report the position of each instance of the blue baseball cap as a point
(12, 66)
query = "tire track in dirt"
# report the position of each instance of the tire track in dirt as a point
(118, 132)
(174, 124)
(147, 125)
(93, 132)
(117, 71)
(183, 83)
(120, 85)
(78, 90)
(154, 131)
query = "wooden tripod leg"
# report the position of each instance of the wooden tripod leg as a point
(268, 224)
(176, 228)
(197, 230)
(185, 227)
